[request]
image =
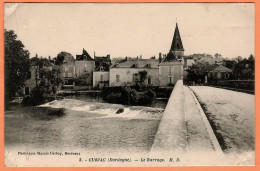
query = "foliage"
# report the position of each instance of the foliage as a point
(130, 96)
(140, 78)
(217, 55)
(196, 73)
(63, 57)
(82, 78)
(50, 83)
(16, 64)
(52, 80)
(245, 69)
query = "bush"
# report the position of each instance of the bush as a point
(37, 97)
(130, 96)
(113, 98)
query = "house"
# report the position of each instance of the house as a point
(188, 62)
(84, 67)
(34, 76)
(101, 76)
(170, 70)
(171, 67)
(102, 59)
(68, 67)
(220, 73)
(132, 71)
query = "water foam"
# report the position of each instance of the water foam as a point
(109, 110)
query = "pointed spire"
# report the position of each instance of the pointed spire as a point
(176, 41)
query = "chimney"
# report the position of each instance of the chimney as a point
(94, 54)
(140, 56)
(108, 56)
(160, 57)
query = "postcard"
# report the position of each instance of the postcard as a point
(129, 84)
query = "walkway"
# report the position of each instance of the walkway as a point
(198, 136)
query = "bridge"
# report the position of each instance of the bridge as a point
(186, 130)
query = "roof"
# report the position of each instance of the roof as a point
(84, 56)
(102, 67)
(170, 59)
(176, 41)
(222, 68)
(102, 58)
(137, 63)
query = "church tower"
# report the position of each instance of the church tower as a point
(177, 47)
(171, 67)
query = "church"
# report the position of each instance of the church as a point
(171, 67)
(162, 72)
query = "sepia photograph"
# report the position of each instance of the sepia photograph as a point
(129, 84)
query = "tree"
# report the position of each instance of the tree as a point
(217, 55)
(245, 69)
(50, 83)
(82, 78)
(198, 71)
(17, 64)
(63, 57)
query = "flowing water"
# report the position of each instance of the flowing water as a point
(80, 123)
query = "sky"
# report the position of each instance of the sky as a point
(132, 29)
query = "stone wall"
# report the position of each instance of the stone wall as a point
(170, 74)
(171, 133)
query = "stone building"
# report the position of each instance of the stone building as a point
(127, 72)
(84, 67)
(68, 67)
(171, 67)
(101, 76)
(102, 59)
(220, 73)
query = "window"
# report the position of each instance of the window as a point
(117, 78)
(101, 77)
(40, 74)
(149, 80)
(29, 74)
(65, 69)
(226, 75)
(209, 74)
(27, 90)
(170, 80)
(135, 77)
(101, 68)
(170, 69)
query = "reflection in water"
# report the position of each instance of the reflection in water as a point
(80, 124)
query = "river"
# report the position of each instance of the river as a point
(82, 123)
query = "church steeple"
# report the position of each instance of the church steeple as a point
(176, 41)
